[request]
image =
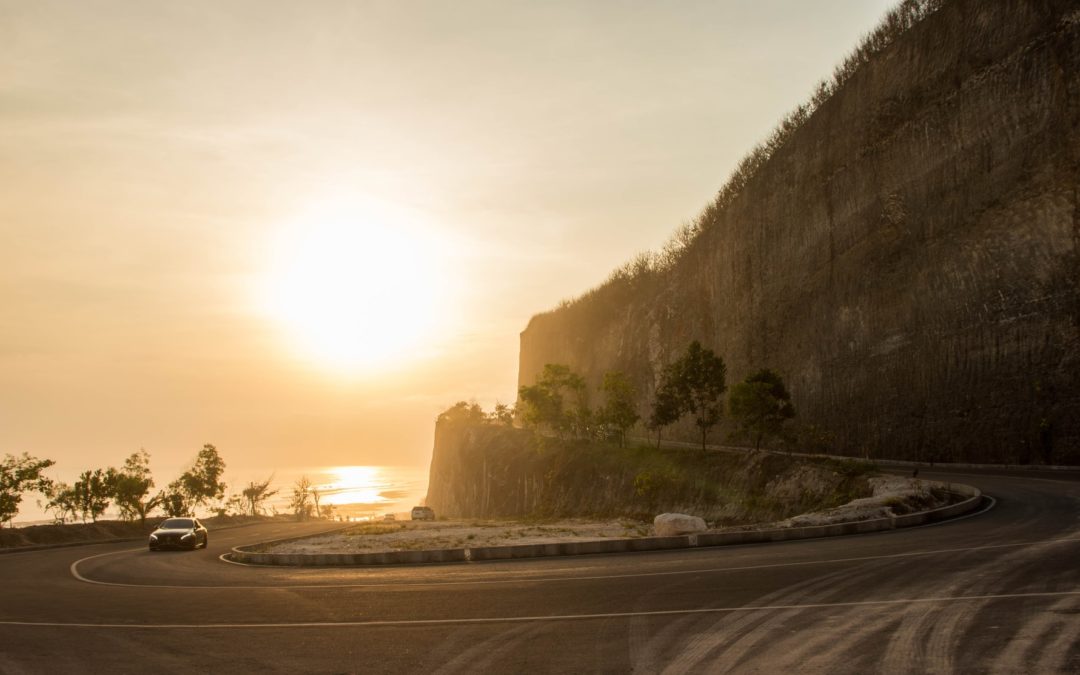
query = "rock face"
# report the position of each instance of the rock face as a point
(672, 524)
(909, 260)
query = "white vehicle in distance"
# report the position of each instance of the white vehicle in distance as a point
(389, 516)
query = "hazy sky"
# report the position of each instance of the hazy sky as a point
(299, 230)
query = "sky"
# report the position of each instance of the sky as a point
(299, 231)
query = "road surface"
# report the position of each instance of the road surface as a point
(994, 592)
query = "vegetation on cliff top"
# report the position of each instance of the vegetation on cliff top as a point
(693, 384)
(485, 469)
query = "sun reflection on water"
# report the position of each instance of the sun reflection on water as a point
(356, 485)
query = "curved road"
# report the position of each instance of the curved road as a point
(994, 592)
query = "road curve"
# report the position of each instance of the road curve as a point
(998, 592)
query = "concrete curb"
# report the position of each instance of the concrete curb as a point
(251, 556)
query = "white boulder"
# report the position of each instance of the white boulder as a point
(672, 524)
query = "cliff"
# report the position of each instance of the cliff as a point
(907, 258)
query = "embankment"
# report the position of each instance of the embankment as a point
(481, 470)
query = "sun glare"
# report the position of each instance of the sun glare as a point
(354, 284)
(356, 485)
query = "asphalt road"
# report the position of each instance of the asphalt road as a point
(994, 592)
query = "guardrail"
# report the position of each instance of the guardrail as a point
(252, 556)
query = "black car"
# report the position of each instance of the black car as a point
(179, 533)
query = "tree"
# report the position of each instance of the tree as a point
(558, 400)
(62, 502)
(173, 500)
(132, 485)
(462, 412)
(760, 405)
(503, 414)
(315, 494)
(18, 475)
(255, 494)
(698, 378)
(301, 493)
(93, 492)
(666, 409)
(620, 409)
(202, 483)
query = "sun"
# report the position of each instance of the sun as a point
(354, 284)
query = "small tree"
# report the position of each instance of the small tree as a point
(256, 494)
(301, 493)
(699, 378)
(760, 405)
(93, 492)
(18, 475)
(62, 502)
(132, 485)
(666, 409)
(315, 495)
(619, 410)
(462, 412)
(174, 501)
(503, 414)
(558, 400)
(202, 483)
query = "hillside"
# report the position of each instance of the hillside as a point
(908, 257)
(482, 470)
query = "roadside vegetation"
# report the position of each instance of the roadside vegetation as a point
(488, 470)
(129, 491)
(568, 450)
(559, 403)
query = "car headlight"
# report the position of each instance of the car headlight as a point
(189, 535)
(153, 537)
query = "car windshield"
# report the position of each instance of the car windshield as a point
(177, 524)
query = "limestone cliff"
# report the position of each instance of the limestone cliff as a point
(908, 259)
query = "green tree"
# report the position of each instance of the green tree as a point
(256, 494)
(18, 475)
(558, 401)
(666, 409)
(202, 483)
(93, 492)
(301, 494)
(760, 405)
(619, 411)
(132, 487)
(698, 379)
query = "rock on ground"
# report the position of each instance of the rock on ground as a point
(671, 524)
